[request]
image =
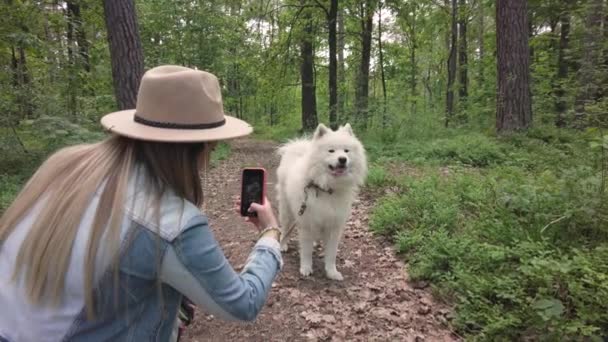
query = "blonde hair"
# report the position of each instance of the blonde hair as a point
(68, 180)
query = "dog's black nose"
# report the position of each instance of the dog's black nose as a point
(342, 160)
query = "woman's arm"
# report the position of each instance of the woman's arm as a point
(195, 265)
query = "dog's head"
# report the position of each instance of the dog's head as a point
(339, 155)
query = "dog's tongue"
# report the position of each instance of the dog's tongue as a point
(339, 171)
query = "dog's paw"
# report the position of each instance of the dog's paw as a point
(334, 275)
(305, 270)
(284, 248)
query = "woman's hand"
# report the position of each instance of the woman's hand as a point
(265, 216)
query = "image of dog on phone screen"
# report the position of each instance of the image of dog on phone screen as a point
(253, 192)
(252, 189)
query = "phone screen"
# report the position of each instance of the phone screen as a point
(252, 189)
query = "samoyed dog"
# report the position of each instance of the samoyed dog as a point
(318, 180)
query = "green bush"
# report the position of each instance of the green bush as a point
(10, 186)
(42, 137)
(474, 150)
(221, 152)
(389, 216)
(521, 252)
(56, 132)
(543, 148)
(467, 149)
(377, 176)
(278, 133)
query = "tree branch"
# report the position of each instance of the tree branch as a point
(288, 43)
(275, 9)
(322, 7)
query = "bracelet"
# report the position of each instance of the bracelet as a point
(269, 229)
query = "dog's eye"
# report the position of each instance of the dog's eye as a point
(346, 151)
(332, 151)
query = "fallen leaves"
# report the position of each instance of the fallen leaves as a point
(348, 264)
(378, 303)
(316, 318)
(424, 310)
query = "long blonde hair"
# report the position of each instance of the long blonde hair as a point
(68, 180)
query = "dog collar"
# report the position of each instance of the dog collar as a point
(317, 188)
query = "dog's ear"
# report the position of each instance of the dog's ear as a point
(320, 131)
(347, 129)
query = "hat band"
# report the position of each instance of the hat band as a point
(160, 124)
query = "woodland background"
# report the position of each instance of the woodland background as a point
(484, 122)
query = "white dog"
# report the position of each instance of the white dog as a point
(318, 179)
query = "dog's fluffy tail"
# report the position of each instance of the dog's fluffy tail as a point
(294, 149)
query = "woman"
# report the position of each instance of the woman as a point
(104, 239)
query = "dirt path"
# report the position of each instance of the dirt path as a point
(373, 303)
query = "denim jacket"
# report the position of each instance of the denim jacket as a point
(161, 258)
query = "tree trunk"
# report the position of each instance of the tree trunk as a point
(381, 61)
(76, 27)
(24, 73)
(606, 40)
(15, 67)
(50, 58)
(26, 91)
(427, 86)
(451, 66)
(273, 112)
(72, 87)
(514, 105)
(480, 75)
(362, 93)
(332, 19)
(21, 80)
(604, 88)
(530, 33)
(413, 47)
(240, 105)
(70, 34)
(463, 90)
(309, 98)
(591, 59)
(562, 70)
(341, 67)
(125, 50)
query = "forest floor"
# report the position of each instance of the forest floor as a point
(375, 302)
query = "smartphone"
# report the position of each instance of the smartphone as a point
(253, 188)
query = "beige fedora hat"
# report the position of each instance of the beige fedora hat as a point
(177, 104)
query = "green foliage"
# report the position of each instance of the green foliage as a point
(55, 132)
(520, 249)
(466, 149)
(377, 177)
(10, 186)
(280, 133)
(40, 137)
(473, 150)
(389, 215)
(221, 152)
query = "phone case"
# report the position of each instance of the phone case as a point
(242, 210)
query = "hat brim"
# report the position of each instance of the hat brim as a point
(122, 123)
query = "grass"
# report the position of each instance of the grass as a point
(279, 133)
(221, 152)
(515, 235)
